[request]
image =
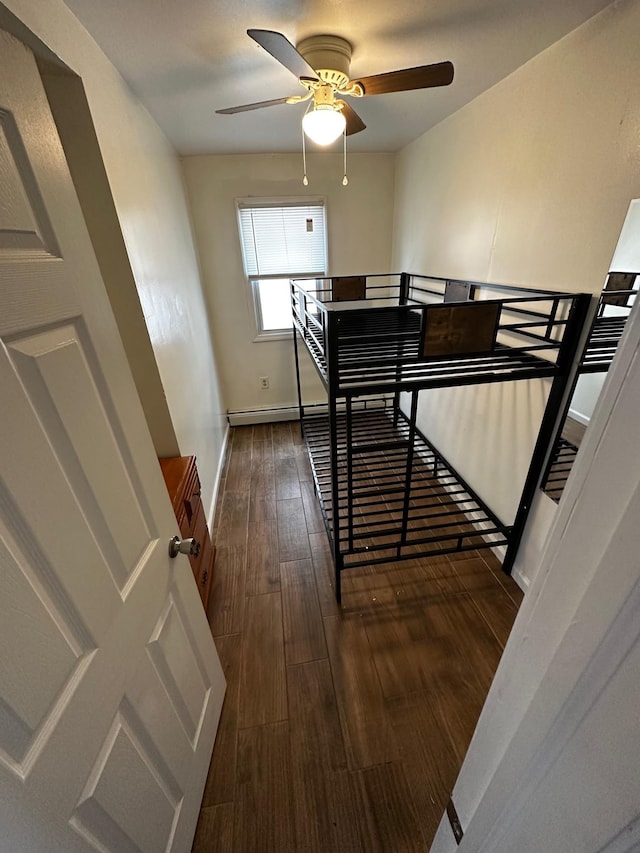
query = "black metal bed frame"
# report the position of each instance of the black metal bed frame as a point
(605, 332)
(597, 355)
(386, 493)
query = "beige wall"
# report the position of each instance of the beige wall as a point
(529, 184)
(359, 221)
(146, 184)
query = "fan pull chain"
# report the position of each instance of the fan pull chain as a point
(305, 180)
(345, 180)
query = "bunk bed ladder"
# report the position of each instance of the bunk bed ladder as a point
(403, 298)
(349, 453)
(408, 473)
(566, 357)
(297, 362)
(331, 343)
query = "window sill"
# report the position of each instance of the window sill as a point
(265, 337)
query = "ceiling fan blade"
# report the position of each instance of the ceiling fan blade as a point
(281, 49)
(354, 122)
(422, 77)
(246, 107)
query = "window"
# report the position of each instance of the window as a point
(281, 239)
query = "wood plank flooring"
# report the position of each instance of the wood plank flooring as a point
(343, 729)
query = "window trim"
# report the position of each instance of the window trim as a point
(251, 289)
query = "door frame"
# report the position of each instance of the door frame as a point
(574, 626)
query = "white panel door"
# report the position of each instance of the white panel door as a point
(110, 686)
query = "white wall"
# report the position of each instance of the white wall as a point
(529, 184)
(585, 396)
(626, 257)
(149, 197)
(359, 221)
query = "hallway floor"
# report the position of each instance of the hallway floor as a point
(343, 729)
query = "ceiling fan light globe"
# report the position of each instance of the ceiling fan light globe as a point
(323, 125)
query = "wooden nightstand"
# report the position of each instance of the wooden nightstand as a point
(183, 484)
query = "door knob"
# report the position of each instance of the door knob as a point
(183, 546)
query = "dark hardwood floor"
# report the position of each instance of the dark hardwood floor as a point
(343, 729)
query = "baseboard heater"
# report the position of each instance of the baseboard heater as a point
(268, 414)
(271, 414)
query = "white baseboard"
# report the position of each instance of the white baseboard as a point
(216, 486)
(268, 414)
(263, 416)
(500, 552)
(520, 579)
(578, 416)
(272, 414)
(516, 572)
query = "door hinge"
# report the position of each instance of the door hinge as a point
(454, 821)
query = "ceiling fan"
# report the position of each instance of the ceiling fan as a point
(321, 64)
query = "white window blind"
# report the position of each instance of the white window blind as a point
(283, 239)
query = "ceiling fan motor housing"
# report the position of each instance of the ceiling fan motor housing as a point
(322, 65)
(330, 56)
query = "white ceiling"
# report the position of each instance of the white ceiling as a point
(186, 58)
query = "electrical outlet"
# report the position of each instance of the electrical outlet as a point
(264, 382)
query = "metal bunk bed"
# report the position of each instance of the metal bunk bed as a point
(614, 307)
(385, 491)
